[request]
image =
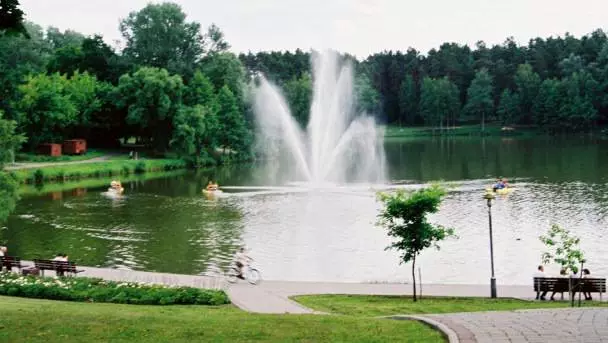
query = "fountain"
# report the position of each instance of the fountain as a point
(338, 145)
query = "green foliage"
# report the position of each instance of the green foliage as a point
(404, 216)
(225, 69)
(152, 97)
(8, 194)
(98, 290)
(234, 134)
(480, 103)
(408, 101)
(439, 102)
(11, 18)
(528, 85)
(10, 141)
(367, 97)
(563, 249)
(159, 36)
(193, 134)
(508, 108)
(298, 93)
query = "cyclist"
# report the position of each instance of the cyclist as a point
(241, 260)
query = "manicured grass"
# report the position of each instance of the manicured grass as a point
(28, 320)
(367, 305)
(96, 170)
(30, 157)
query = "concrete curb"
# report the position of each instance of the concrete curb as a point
(446, 331)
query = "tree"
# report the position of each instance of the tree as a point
(563, 248)
(20, 57)
(59, 40)
(404, 215)
(191, 135)
(439, 101)
(45, 109)
(528, 84)
(234, 133)
(225, 69)
(9, 143)
(368, 99)
(215, 40)
(159, 36)
(152, 97)
(298, 93)
(11, 18)
(577, 110)
(479, 97)
(408, 101)
(508, 108)
(200, 91)
(547, 104)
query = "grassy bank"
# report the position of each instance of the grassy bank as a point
(28, 320)
(75, 185)
(61, 173)
(371, 305)
(465, 130)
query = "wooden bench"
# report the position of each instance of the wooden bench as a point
(9, 262)
(59, 267)
(569, 285)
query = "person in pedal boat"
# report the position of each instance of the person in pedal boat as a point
(501, 183)
(212, 186)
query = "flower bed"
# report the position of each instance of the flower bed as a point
(98, 290)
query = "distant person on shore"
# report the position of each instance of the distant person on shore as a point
(3, 251)
(540, 272)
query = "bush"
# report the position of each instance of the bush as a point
(39, 176)
(140, 168)
(98, 290)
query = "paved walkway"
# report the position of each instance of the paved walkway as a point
(535, 326)
(273, 296)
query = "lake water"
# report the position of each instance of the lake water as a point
(328, 234)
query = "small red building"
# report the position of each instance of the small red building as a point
(75, 147)
(49, 149)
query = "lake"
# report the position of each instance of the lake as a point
(166, 224)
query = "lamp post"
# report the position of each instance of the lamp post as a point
(489, 197)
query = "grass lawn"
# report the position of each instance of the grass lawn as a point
(95, 170)
(29, 320)
(371, 305)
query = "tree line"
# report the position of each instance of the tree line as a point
(555, 83)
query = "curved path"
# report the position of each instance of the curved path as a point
(31, 165)
(543, 325)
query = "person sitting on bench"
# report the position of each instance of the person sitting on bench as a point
(540, 273)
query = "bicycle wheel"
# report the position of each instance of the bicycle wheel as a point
(232, 275)
(253, 276)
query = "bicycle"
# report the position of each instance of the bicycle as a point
(250, 274)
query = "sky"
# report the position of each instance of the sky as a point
(358, 27)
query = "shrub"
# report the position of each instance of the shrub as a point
(98, 290)
(39, 176)
(140, 168)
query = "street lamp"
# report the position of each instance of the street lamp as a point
(489, 196)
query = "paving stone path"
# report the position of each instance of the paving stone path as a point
(587, 325)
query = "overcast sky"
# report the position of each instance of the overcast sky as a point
(359, 27)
